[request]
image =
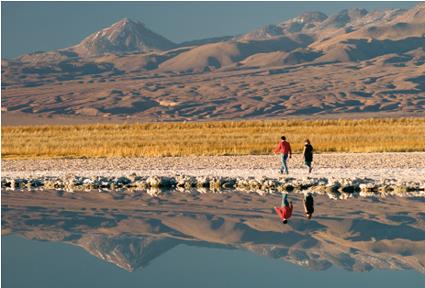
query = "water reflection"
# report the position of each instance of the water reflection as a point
(132, 230)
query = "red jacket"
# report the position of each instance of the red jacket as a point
(285, 212)
(283, 147)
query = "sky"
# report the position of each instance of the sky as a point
(41, 26)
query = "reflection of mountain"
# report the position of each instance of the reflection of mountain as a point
(127, 252)
(379, 235)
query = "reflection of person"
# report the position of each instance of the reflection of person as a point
(285, 211)
(284, 148)
(308, 205)
(308, 154)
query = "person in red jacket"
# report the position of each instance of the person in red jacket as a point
(284, 148)
(285, 211)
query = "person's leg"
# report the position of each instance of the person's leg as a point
(308, 163)
(284, 165)
(285, 199)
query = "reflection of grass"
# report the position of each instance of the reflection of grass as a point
(211, 138)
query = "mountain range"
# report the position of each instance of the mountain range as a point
(352, 62)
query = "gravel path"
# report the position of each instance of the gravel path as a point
(401, 166)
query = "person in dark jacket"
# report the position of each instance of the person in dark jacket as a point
(308, 154)
(308, 205)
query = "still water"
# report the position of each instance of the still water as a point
(226, 240)
(29, 263)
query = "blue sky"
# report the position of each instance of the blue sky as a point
(39, 26)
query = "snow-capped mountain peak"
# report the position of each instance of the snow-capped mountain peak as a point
(123, 36)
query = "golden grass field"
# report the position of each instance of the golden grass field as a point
(211, 138)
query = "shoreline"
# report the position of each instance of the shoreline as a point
(339, 175)
(402, 166)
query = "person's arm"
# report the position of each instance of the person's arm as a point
(304, 152)
(305, 206)
(290, 205)
(278, 148)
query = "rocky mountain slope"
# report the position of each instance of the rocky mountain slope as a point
(124, 36)
(352, 62)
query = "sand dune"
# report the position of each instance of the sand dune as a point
(353, 62)
(217, 55)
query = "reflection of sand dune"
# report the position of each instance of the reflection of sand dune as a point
(132, 231)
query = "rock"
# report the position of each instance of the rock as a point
(139, 184)
(202, 190)
(385, 189)
(185, 181)
(334, 195)
(168, 182)
(215, 183)
(133, 177)
(400, 189)
(254, 184)
(122, 181)
(288, 187)
(365, 193)
(335, 188)
(242, 183)
(6, 183)
(228, 183)
(270, 184)
(349, 189)
(161, 182)
(368, 187)
(153, 181)
(153, 191)
(203, 182)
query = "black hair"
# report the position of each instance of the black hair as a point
(283, 138)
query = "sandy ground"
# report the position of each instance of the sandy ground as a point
(16, 118)
(400, 166)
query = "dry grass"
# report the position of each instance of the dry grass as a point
(211, 138)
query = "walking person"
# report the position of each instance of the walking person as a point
(308, 154)
(284, 148)
(285, 211)
(308, 205)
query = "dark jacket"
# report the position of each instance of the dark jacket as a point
(309, 204)
(308, 153)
